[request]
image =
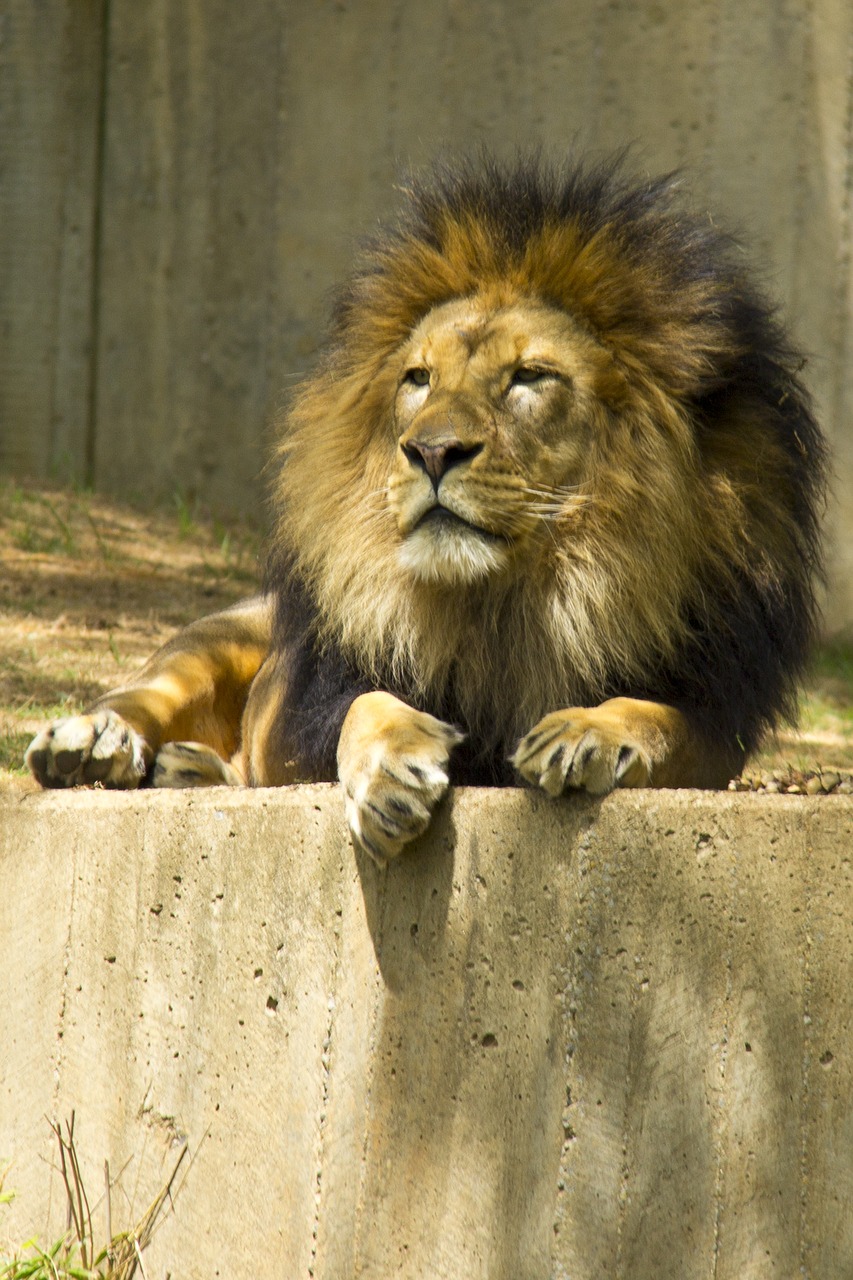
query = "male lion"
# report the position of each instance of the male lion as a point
(547, 507)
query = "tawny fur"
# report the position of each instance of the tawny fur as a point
(689, 497)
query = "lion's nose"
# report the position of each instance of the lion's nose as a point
(436, 459)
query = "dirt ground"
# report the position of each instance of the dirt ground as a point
(90, 587)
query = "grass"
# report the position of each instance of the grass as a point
(78, 1254)
(823, 739)
(14, 741)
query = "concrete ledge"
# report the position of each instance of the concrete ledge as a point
(575, 1039)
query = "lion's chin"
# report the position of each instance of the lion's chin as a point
(453, 552)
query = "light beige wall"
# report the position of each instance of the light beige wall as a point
(245, 148)
(50, 100)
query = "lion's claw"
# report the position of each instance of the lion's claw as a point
(581, 749)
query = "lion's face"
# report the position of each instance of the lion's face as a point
(495, 411)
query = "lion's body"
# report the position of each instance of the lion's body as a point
(556, 457)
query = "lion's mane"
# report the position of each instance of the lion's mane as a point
(691, 577)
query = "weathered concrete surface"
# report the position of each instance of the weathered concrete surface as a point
(574, 1039)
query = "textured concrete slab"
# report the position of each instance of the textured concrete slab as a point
(577, 1039)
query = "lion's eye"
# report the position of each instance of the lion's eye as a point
(526, 374)
(418, 376)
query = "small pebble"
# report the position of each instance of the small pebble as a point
(795, 782)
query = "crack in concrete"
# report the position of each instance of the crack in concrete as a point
(325, 1065)
(368, 1099)
(63, 1007)
(723, 1110)
(805, 1075)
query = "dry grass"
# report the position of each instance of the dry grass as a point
(91, 587)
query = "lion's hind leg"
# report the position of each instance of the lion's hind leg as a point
(177, 724)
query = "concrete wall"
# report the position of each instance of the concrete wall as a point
(181, 183)
(574, 1039)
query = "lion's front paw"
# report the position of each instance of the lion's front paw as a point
(586, 748)
(86, 749)
(392, 763)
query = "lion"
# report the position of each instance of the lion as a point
(546, 511)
